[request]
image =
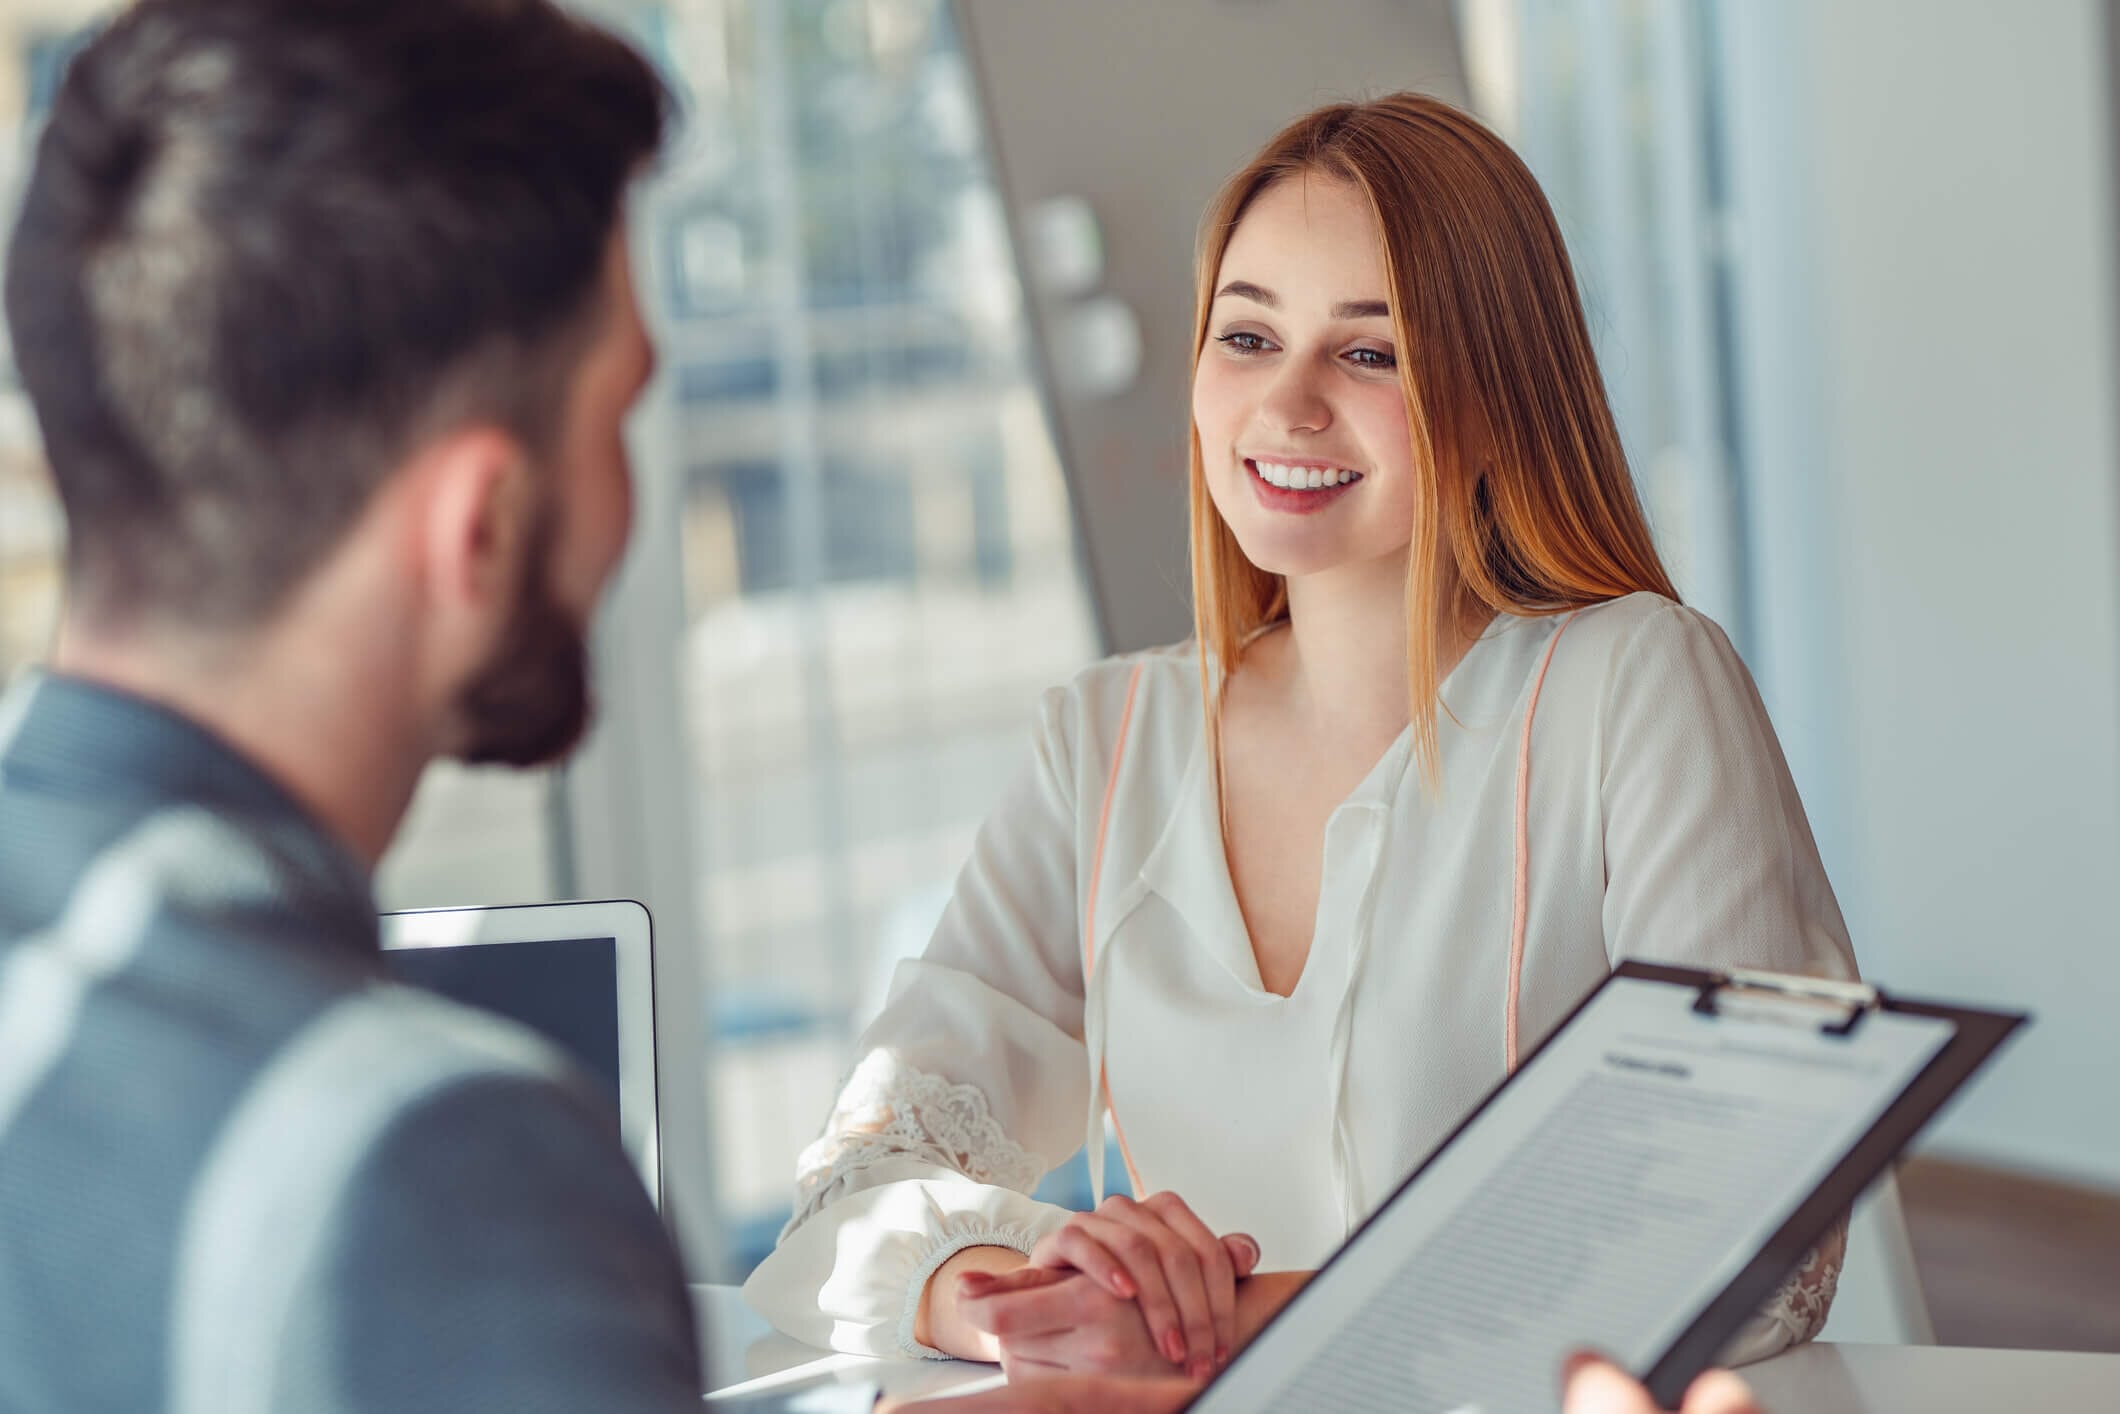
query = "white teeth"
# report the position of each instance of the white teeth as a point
(1303, 478)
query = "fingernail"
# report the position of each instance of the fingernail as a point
(975, 1281)
(1252, 1247)
(1221, 1355)
(1199, 1370)
(1124, 1286)
(1575, 1363)
(1174, 1347)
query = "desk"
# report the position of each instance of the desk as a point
(743, 1351)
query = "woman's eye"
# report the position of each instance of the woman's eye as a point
(1243, 341)
(1371, 358)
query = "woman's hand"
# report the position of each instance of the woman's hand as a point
(1051, 1320)
(1063, 1394)
(1159, 1254)
(1592, 1386)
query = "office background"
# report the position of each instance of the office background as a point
(920, 272)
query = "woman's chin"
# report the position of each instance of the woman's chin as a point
(1293, 554)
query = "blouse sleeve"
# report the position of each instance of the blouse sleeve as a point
(971, 1084)
(1709, 861)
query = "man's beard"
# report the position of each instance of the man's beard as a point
(531, 703)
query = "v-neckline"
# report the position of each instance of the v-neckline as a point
(1189, 865)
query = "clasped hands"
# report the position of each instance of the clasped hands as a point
(1133, 1288)
(1146, 1289)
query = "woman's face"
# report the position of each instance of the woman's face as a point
(1298, 386)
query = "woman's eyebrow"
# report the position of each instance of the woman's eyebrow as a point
(1345, 309)
(1245, 289)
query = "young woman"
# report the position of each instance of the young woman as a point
(1284, 903)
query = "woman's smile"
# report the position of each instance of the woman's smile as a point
(1299, 487)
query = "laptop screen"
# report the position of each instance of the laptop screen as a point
(566, 988)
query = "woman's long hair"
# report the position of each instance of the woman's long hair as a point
(1523, 501)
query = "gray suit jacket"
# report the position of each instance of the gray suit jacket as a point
(239, 1170)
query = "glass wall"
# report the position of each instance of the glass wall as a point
(1614, 105)
(879, 566)
(34, 41)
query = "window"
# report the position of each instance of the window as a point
(1614, 108)
(878, 564)
(33, 49)
(875, 567)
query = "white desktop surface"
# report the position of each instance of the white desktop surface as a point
(1813, 1379)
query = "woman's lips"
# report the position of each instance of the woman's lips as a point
(1287, 499)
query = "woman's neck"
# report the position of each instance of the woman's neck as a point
(1343, 661)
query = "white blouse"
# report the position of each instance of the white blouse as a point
(1095, 929)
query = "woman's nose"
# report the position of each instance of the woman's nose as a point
(1294, 401)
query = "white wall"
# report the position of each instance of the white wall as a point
(1143, 107)
(1958, 167)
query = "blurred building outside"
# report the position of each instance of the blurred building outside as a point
(879, 563)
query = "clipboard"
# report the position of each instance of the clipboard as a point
(1377, 1326)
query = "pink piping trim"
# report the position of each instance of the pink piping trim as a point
(1133, 1175)
(1089, 914)
(1104, 825)
(1521, 911)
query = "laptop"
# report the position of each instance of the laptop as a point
(582, 974)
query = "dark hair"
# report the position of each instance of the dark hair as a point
(268, 247)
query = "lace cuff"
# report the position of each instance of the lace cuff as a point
(1799, 1308)
(890, 1110)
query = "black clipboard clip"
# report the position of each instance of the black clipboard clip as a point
(1835, 1007)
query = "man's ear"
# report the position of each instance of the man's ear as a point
(477, 521)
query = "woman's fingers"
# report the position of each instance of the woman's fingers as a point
(1159, 1254)
(1071, 1247)
(1192, 1347)
(1062, 1394)
(1136, 1249)
(1017, 1315)
(1110, 1337)
(971, 1284)
(1068, 1324)
(1216, 1275)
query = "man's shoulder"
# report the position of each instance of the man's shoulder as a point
(446, 1121)
(403, 1155)
(340, 1086)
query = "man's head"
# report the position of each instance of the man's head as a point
(281, 263)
